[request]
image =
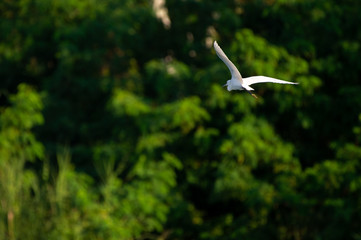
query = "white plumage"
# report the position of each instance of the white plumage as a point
(239, 83)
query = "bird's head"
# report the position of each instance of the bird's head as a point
(228, 85)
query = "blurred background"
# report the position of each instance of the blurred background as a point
(114, 123)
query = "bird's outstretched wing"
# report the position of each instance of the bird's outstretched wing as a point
(262, 79)
(234, 71)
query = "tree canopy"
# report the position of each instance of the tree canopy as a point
(114, 123)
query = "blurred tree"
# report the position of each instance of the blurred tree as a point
(155, 148)
(18, 146)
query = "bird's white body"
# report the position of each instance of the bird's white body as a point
(239, 83)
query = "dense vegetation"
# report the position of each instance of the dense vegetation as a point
(114, 124)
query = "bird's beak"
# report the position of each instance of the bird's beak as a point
(224, 85)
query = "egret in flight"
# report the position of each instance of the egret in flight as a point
(239, 83)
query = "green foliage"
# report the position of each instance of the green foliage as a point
(18, 146)
(114, 126)
(16, 139)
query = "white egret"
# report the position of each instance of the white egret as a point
(239, 83)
